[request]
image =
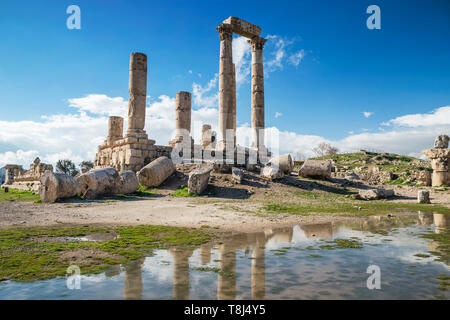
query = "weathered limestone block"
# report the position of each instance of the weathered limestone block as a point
(271, 173)
(440, 163)
(423, 178)
(284, 162)
(423, 196)
(9, 174)
(373, 194)
(237, 175)
(129, 182)
(316, 169)
(153, 174)
(198, 180)
(243, 28)
(56, 186)
(208, 137)
(115, 129)
(105, 181)
(441, 142)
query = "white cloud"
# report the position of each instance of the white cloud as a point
(190, 71)
(438, 117)
(76, 136)
(367, 114)
(297, 57)
(241, 59)
(203, 96)
(100, 104)
(278, 114)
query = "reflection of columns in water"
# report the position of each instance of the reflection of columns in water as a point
(258, 273)
(441, 221)
(226, 283)
(180, 272)
(425, 218)
(205, 255)
(133, 280)
(318, 231)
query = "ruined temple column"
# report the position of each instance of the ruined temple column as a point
(234, 102)
(138, 95)
(257, 44)
(225, 83)
(440, 161)
(115, 129)
(182, 118)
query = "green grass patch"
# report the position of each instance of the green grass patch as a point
(24, 258)
(216, 270)
(183, 193)
(350, 208)
(17, 195)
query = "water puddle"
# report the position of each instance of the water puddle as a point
(321, 261)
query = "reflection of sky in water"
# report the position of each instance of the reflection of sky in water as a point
(295, 274)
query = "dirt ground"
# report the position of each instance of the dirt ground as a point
(225, 205)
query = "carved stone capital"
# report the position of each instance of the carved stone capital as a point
(257, 43)
(225, 32)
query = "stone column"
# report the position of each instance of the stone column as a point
(138, 95)
(10, 170)
(440, 161)
(115, 129)
(257, 44)
(234, 102)
(225, 83)
(182, 118)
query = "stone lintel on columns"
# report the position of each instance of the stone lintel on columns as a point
(242, 28)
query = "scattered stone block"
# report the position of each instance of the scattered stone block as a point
(198, 180)
(423, 196)
(284, 162)
(271, 173)
(156, 172)
(424, 178)
(105, 181)
(237, 175)
(129, 182)
(316, 169)
(56, 186)
(374, 194)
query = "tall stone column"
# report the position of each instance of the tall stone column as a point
(138, 95)
(225, 83)
(115, 129)
(257, 44)
(234, 102)
(182, 118)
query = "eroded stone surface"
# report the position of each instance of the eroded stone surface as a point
(423, 196)
(316, 169)
(198, 180)
(373, 194)
(156, 172)
(54, 186)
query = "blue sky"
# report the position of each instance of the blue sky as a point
(346, 69)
